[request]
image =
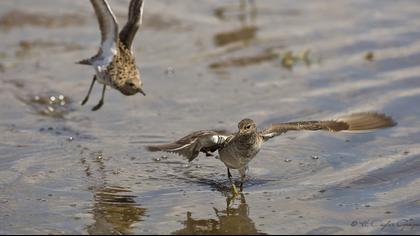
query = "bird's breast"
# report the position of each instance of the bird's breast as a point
(236, 157)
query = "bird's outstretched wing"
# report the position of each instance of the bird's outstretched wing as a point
(135, 15)
(191, 145)
(109, 34)
(354, 122)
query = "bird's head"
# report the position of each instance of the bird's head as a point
(132, 85)
(247, 126)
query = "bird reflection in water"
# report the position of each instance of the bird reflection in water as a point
(114, 209)
(232, 220)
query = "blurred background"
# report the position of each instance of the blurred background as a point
(206, 65)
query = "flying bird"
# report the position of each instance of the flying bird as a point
(114, 63)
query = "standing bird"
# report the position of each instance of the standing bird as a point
(238, 149)
(114, 64)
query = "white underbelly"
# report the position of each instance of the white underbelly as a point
(102, 76)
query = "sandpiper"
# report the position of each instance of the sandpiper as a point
(114, 64)
(236, 150)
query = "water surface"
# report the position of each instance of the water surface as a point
(206, 65)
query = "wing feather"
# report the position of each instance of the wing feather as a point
(109, 34)
(354, 122)
(194, 143)
(135, 16)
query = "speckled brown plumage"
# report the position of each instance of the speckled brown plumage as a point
(123, 68)
(114, 63)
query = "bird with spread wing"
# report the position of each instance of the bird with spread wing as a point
(236, 150)
(114, 64)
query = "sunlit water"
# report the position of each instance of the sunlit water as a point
(207, 65)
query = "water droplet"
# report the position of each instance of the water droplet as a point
(186, 165)
(99, 157)
(157, 159)
(315, 157)
(164, 157)
(61, 97)
(287, 160)
(37, 98)
(170, 71)
(52, 98)
(198, 166)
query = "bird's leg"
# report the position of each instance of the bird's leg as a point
(90, 90)
(230, 200)
(243, 176)
(101, 102)
(234, 190)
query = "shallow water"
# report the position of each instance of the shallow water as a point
(207, 65)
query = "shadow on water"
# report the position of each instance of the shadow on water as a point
(241, 36)
(20, 18)
(114, 209)
(226, 12)
(247, 19)
(237, 39)
(221, 183)
(231, 220)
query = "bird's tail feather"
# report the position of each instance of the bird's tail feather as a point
(85, 62)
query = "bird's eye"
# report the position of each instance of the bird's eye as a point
(131, 84)
(248, 127)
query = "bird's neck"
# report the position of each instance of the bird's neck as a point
(248, 138)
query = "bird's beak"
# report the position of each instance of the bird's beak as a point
(142, 92)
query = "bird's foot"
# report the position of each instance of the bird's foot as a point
(230, 201)
(84, 100)
(234, 190)
(99, 105)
